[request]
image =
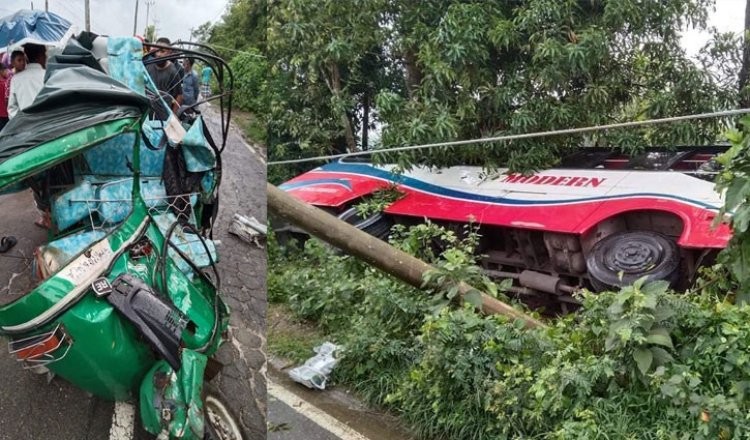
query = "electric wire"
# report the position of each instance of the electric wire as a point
(511, 137)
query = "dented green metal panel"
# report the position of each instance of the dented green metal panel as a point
(170, 401)
(44, 156)
(107, 357)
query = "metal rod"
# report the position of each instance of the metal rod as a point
(503, 274)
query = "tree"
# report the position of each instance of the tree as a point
(744, 76)
(439, 70)
(202, 33)
(332, 54)
(495, 67)
(244, 25)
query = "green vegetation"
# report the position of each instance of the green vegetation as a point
(331, 76)
(441, 70)
(735, 179)
(641, 363)
(291, 339)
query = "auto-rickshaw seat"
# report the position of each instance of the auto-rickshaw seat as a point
(125, 62)
(188, 243)
(56, 254)
(114, 158)
(106, 202)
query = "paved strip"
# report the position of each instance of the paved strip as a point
(123, 422)
(315, 414)
(255, 152)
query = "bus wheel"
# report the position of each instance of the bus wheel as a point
(621, 258)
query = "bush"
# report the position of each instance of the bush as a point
(641, 363)
(250, 70)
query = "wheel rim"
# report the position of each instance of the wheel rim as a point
(221, 419)
(634, 256)
(624, 257)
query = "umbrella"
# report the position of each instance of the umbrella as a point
(38, 27)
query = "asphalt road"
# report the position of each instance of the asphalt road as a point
(287, 424)
(298, 413)
(32, 408)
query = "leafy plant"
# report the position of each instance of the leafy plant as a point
(735, 180)
(379, 201)
(641, 362)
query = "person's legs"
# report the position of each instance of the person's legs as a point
(41, 198)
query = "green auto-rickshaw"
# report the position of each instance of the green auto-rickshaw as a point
(126, 303)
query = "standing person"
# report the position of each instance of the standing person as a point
(206, 80)
(167, 78)
(24, 87)
(4, 90)
(26, 84)
(189, 83)
(18, 61)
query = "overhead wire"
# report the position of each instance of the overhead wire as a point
(257, 55)
(511, 137)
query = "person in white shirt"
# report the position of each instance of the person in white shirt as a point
(24, 87)
(26, 84)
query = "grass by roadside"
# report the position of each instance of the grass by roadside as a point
(251, 126)
(289, 338)
(625, 366)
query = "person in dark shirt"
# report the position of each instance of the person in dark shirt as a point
(189, 82)
(168, 79)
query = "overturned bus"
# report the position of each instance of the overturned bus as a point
(599, 219)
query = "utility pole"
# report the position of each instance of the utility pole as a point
(32, 6)
(135, 19)
(149, 3)
(88, 16)
(376, 252)
(46, 5)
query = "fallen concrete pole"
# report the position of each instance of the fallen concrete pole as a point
(373, 251)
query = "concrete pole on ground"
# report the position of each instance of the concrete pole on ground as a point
(372, 250)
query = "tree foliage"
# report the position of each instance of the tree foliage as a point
(332, 54)
(734, 181)
(440, 70)
(243, 26)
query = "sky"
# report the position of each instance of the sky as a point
(728, 16)
(173, 18)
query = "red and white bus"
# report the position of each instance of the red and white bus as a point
(597, 220)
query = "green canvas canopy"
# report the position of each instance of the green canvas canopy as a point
(78, 108)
